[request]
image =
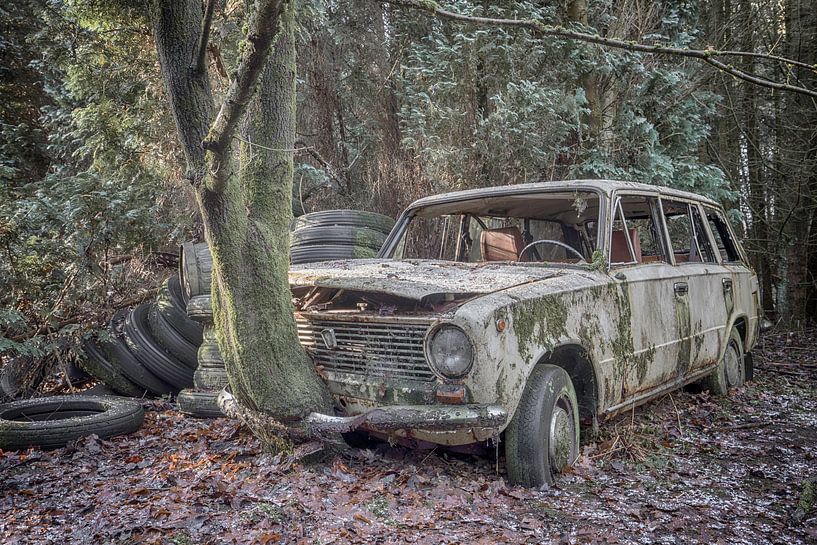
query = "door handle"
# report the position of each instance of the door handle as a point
(681, 288)
(727, 284)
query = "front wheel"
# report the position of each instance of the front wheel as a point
(731, 370)
(543, 437)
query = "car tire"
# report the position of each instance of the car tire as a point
(328, 252)
(195, 268)
(124, 360)
(351, 218)
(337, 234)
(731, 369)
(96, 363)
(170, 339)
(52, 422)
(209, 354)
(543, 436)
(155, 358)
(200, 309)
(210, 378)
(200, 404)
(173, 306)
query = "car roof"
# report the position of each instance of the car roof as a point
(604, 186)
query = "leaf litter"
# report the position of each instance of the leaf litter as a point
(688, 468)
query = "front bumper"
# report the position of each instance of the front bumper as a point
(427, 418)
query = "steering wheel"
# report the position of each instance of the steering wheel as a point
(555, 243)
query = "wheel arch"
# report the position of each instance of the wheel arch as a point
(576, 361)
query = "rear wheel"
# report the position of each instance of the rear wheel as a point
(543, 437)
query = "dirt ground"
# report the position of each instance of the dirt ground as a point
(687, 468)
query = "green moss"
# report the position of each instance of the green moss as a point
(598, 262)
(684, 325)
(539, 322)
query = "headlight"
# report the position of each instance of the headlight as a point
(450, 351)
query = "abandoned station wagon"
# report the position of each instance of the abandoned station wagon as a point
(525, 310)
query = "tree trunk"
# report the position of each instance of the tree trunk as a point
(248, 233)
(246, 216)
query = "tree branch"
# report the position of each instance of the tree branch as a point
(263, 29)
(198, 64)
(538, 28)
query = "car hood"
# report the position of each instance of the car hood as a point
(419, 280)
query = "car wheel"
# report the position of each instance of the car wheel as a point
(543, 436)
(98, 365)
(195, 268)
(170, 339)
(200, 309)
(210, 379)
(731, 369)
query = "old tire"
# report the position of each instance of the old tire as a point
(731, 369)
(124, 360)
(209, 355)
(54, 421)
(195, 268)
(173, 305)
(201, 404)
(352, 218)
(543, 436)
(337, 234)
(155, 358)
(328, 252)
(211, 379)
(98, 366)
(200, 309)
(170, 339)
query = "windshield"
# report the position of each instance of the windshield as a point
(558, 227)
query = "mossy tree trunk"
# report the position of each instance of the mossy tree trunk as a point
(245, 204)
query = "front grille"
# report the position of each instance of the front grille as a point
(377, 350)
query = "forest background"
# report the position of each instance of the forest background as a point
(393, 105)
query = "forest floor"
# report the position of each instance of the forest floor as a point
(687, 468)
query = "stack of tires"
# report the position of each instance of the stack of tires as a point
(210, 377)
(337, 234)
(147, 350)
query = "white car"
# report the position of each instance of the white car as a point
(515, 313)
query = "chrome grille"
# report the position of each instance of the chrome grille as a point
(381, 350)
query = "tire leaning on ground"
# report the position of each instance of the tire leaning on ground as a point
(173, 306)
(170, 339)
(54, 421)
(123, 359)
(201, 404)
(543, 436)
(353, 218)
(158, 360)
(195, 268)
(731, 369)
(98, 366)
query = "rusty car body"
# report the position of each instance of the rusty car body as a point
(526, 309)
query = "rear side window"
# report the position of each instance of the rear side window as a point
(723, 235)
(688, 238)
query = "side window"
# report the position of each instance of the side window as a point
(687, 236)
(723, 236)
(636, 235)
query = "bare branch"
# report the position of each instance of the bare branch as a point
(263, 29)
(198, 64)
(538, 28)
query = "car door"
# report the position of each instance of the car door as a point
(704, 280)
(641, 264)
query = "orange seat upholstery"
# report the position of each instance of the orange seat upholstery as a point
(619, 252)
(502, 244)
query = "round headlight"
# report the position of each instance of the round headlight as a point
(450, 351)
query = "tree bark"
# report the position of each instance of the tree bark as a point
(248, 233)
(247, 210)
